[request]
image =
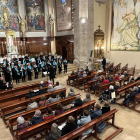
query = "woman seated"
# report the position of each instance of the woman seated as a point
(21, 124)
(50, 114)
(95, 114)
(130, 97)
(55, 133)
(62, 95)
(84, 74)
(71, 93)
(60, 109)
(73, 73)
(105, 81)
(37, 118)
(70, 126)
(78, 101)
(30, 94)
(87, 99)
(43, 101)
(106, 107)
(32, 104)
(49, 83)
(111, 79)
(116, 77)
(83, 120)
(117, 86)
(53, 98)
(50, 88)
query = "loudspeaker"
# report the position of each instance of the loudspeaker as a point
(91, 53)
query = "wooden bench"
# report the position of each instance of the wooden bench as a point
(15, 91)
(16, 97)
(93, 124)
(110, 66)
(46, 125)
(116, 68)
(29, 114)
(123, 69)
(132, 71)
(71, 77)
(123, 91)
(22, 105)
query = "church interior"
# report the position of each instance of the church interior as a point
(69, 69)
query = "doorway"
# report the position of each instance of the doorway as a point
(64, 53)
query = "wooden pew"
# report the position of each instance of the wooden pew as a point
(16, 97)
(110, 66)
(22, 105)
(93, 124)
(123, 91)
(123, 69)
(17, 90)
(46, 125)
(116, 68)
(132, 71)
(71, 77)
(29, 114)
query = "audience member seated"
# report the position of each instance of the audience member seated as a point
(106, 107)
(77, 71)
(116, 77)
(86, 69)
(122, 76)
(37, 118)
(88, 73)
(95, 114)
(49, 83)
(57, 87)
(2, 84)
(50, 88)
(99, 71)
(87, 99)
(70, 126)
(71, 93)
(96, 86)
(53, 98)
(32, 104)
(96, 77)
(117, 86)
(41, 91)
(84, 74)
(62, 95)
(72, 73)
(50, 114)
(60, 109)
(41, 84)
(82, 70)
(138, 78)
(79, 76)
(84, 120)
(105, 81)
(55, 133)
(43, 101)
(130, 97)
(125, 73)
(78, 101)
(30, 94)
(111, 79)
(21, 124)
(131, 78)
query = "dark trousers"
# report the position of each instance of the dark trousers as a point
(104, 67)
(23, 78)
(55, 71)
(60, 69)
(65, 69)
(17, 78)
(36, 75)
(43, 70)
(29, 75)
(52, 80)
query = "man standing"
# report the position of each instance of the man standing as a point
(104, 63)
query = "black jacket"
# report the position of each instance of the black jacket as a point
(137, 79)
(105, 109)
(104, 61)
(30, 95)
(36, 120)
(52, 75)
(78, 102)
(2, 85)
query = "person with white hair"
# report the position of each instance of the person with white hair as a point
(21, 124)
(37, 118)
(55, 133)
(50, 88)
(125, 74)
(130, 97)
(42, 84)
(84, 74)
(138, 78)
(49, 83)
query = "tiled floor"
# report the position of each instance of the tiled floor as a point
(127, 119)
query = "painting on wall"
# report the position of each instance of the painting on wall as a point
(35, 15)
(126, 25)
(10, 16)
(63, 15)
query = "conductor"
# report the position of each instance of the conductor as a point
(104, 63)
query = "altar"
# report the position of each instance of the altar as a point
(11, 44)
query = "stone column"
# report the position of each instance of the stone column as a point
(83, 33)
